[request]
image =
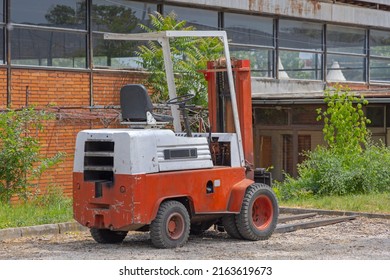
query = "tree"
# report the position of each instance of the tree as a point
(189, 55)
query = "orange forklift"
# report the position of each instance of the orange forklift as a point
(173, 183)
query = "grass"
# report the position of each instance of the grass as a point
(371, 203)
(52, 207)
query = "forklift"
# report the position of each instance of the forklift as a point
(173, 183)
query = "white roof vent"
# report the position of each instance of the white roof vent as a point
(282, 74)
(335, 73)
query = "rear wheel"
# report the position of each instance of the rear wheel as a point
(107, 236)
(171, 228)
(259, 213)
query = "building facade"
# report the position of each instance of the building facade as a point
(52, 52)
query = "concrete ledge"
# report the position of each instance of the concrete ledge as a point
(70, 227)
(12, 233)
(293, 210)
(40, 229)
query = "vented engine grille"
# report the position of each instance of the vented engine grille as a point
(99, 161)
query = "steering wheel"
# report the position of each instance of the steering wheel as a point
(180, 99)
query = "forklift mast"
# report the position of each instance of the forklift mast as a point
(219, 103)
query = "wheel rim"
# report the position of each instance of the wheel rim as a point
(262, 212)
(175, 226)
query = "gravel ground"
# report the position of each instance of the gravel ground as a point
(362, 238)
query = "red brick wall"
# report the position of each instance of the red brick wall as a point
(106, 86)
(49, 88)
(3, 88)
(64, 89)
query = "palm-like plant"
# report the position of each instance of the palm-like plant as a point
(189, 55)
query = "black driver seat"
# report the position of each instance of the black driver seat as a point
(135, 103)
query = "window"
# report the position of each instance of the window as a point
(376, 115)
(118, 16)
(265, 116)
(305, 115)
(291, 145)
(345, 68)
(200, 19)
(300, 65)
(287, 154)
(53, 13)
(1, 44)
(300, 50)
(251, 37)
(48, 48)
(346, 53)
(304, 145)
(49, 33)
(347, 40)
(380, 56)
(300, 35)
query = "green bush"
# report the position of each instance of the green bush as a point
(325, 172)
(350, 164)
(21, 161)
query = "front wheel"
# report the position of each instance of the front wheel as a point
(171, 228)
(259, 213)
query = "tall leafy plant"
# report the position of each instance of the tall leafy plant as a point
(21, 161)
(345, 129)
(189, 55)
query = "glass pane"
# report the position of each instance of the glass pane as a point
(261, 59)
(200, 19)
(1, 11)
(245, 29)
(118, 54)
(300, 65)
(380, 43)
(120, 16)
(57, 13)
(265, 116)
(305, 115)
(345, 68)
(287, 152)
(304, 145)
(1, 45)
(345, 39)
(300, 35)
(376, 116)
(380, 70)
(48, 48)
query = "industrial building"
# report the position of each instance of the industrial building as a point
(52, 52)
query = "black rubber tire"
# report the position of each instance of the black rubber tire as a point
(259, 213)
(230, 226)
(107, 236)
(176, 213)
